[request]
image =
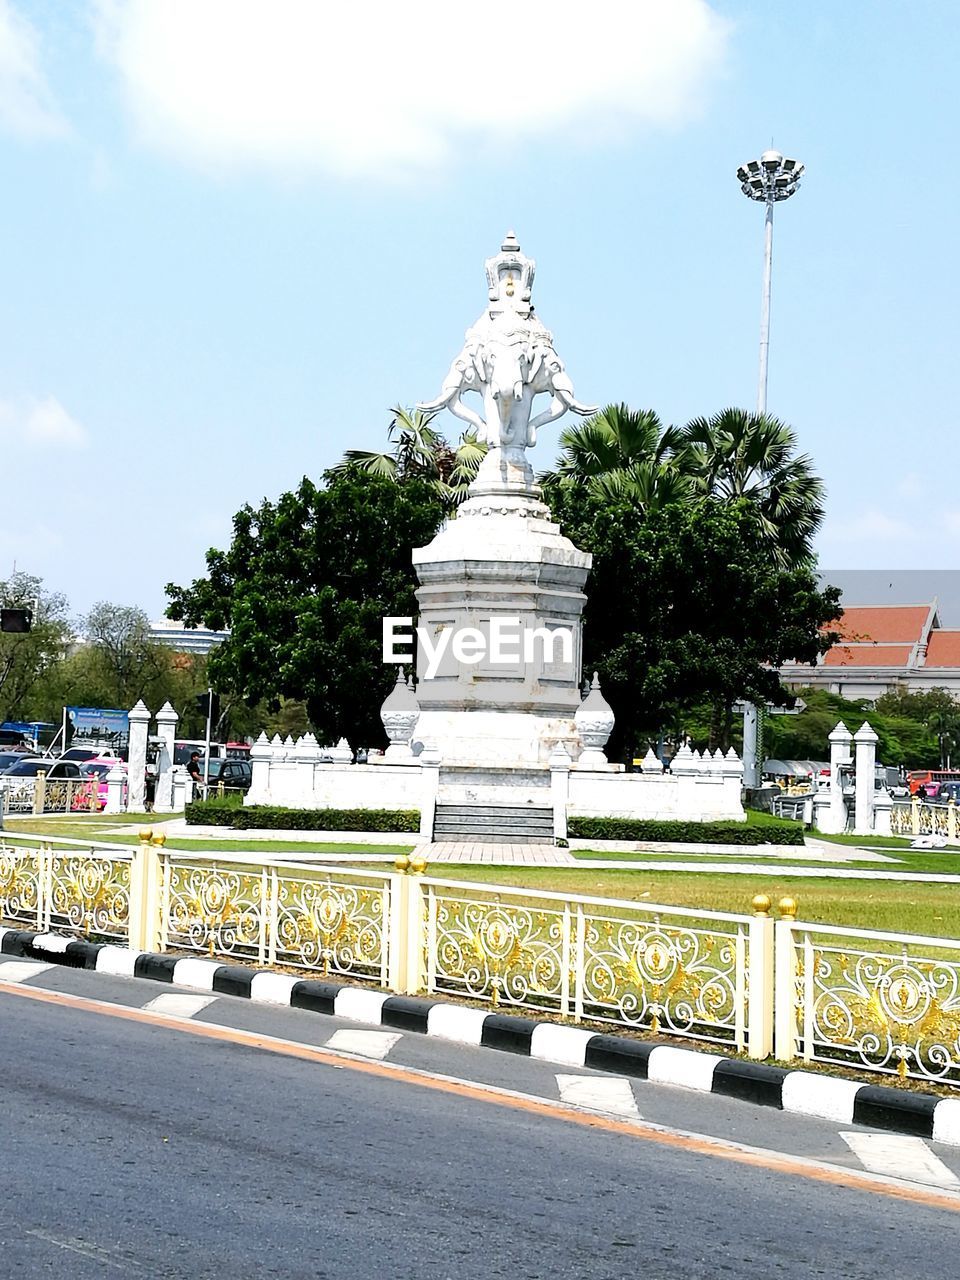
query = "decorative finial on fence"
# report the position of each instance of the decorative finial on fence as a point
(788, 908)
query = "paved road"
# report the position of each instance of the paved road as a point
(147, 1149)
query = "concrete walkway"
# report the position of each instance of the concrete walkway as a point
(503, 855)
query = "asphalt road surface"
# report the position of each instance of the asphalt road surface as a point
(134, 1144)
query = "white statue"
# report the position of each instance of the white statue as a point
(508, 359)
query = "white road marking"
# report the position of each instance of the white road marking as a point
(87, 1249)
(900, 1156)
(366, 1044)
(611, 1094)
(18, 970)
(179, 1005)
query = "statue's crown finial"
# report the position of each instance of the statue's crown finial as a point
(510, 278)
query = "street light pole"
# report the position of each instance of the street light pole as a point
(767, 180)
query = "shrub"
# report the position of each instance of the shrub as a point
(273, 817)
(219, 812)
(678, 832)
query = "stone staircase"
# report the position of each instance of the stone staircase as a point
(493, 823)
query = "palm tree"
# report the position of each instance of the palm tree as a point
(736, 454)
(421, 451)
(621, 453)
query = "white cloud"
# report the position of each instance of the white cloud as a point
(27, 109)
(378, 87)
(41, 422)
(872, 525)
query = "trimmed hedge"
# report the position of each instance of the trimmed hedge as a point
(772, 832)
(214, 813)
(274, 818)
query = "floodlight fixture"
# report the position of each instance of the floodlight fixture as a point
(771, 178)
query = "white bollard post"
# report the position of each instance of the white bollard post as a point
(139, 718)
(866, 743)
(166, 731)
(429, 787)
(560, 764)
(839, 739)
(115, 780)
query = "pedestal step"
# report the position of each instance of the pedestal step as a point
(515, 824)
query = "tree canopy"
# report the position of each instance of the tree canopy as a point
(686, 605)
(303, 589)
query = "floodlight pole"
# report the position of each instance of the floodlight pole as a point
(765, 308)
(769, 179)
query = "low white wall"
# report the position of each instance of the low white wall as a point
(699, 789)
(464, 786)
(689, 798)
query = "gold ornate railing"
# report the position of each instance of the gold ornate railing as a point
(883, 1001)
(44, 795)
(675, 971)
(916, 819)
(85, 891)
(333, 923)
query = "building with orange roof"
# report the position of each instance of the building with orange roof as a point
(881, 648)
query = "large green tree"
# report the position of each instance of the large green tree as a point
(736, 454)
(27, 659)
(621, 453)
(685, 605)
(303, 589)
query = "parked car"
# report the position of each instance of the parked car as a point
(235, 775)
(96, 770)
(30, 766)
(8, 758)
(87, 753)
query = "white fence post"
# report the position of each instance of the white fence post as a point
(167, 732)
(116, 781)
(415, 934)
(429, 787)
(865, 740)
(139, 719)
(785, 970)
(760, 968)
(560, 763)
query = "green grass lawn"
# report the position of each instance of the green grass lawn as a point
(864, 904)
(97, 827)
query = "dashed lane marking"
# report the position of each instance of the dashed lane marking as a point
(944, 1198)
(900, 1156)
(610, 1094)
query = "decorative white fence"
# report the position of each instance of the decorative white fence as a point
(877, 1001)
(887, 1002)
(50, 795)
(330, 922)
(86, 890)
(918, 819)
(671, 970)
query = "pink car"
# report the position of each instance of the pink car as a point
(96, 771)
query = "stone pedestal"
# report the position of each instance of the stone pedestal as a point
(502, 558)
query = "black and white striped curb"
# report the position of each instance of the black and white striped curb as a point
(804, 1093)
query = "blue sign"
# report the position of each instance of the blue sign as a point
(101, 725)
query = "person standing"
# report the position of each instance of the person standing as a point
(195, 773)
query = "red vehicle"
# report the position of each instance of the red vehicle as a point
(926, 778)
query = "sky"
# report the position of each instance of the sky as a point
(234, 233)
